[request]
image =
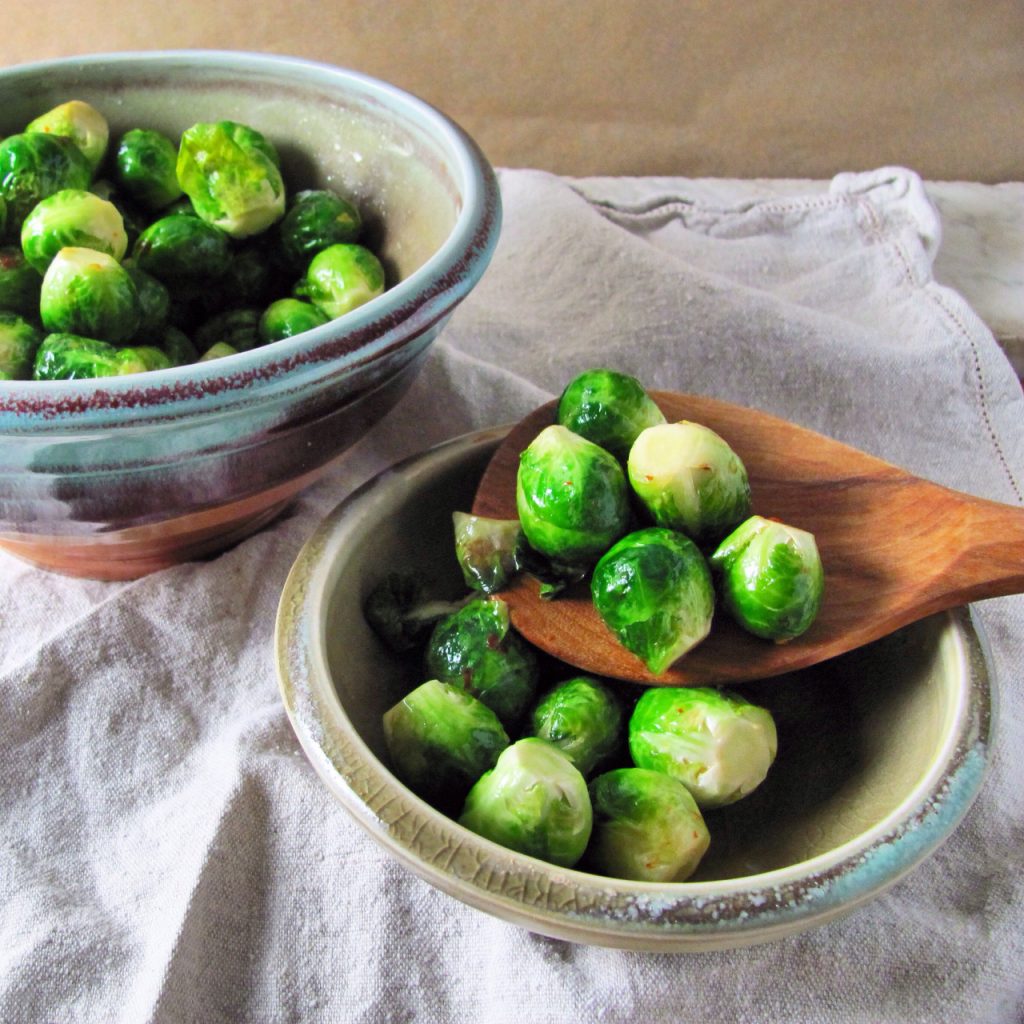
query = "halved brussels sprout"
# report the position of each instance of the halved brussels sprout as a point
(716, 743)
(571, 497)
(70, 357)
(80, 122)
(19, 342)
(771, 578)
(72, 218)
(534, 801)
(583, 718)
(647, 827)
(34, 165)
(20, 282)
(608, 408)
(653, 590)
(316, 219)
(285, 318)
(689, 479)
(489, 551)
(180, 247)
(341, 278)
(145, 167)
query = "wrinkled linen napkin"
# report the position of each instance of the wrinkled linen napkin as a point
(166, 852)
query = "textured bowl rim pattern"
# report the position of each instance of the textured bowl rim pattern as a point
(574, 905)
(409, 307)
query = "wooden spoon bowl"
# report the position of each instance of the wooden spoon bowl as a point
(895, 549)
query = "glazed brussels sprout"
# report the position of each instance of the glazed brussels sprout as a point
(340, 278)
(145, 167)
(647, 827)
(771, 578)
(534, 801)
(238, 328)
(571, 497)
(476, 648)
(89, 293)
(316, 219)
(689, 479)
(231, 174)
(715, 743)
(441, 740)
(154, 299)
(34, 165)
(20, 282)
(608, 408)
(19, 341)
(284, 318)
(180, 247)
(402, 612)
(489, 551)
(83, 124)
(72, 218)
(70, 357)
(653, 589)
(581, 717)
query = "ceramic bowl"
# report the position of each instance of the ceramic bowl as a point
(880, 752)
(117, 477)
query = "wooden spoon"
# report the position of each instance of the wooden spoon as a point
(895, 549)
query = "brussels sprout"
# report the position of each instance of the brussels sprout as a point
(647, 827)
(489, 551)
(238, 328)
(176, 346)
(230, 172)
(89, 293)
(3, 216)
(441, 740)
(475, 648)
(20, 283)
(340, 278)
(154, 299)
(72, 217)
(718, 745)
(19, 341)
(316, 219)
(402, 612)
(252, 276)
(83, 124)
(653, 590)
(70, 357)
(145, 168)
(287, 317)
(534, 801)
(581, 717)
(771, 578)
(182, 248)
(689, 479)
(571, 496)
(218, 351)
(608, 408)
(34, 165)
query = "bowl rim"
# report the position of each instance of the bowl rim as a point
(668, 917)
(408, 308)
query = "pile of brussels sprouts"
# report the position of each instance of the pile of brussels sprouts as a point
(154, 252)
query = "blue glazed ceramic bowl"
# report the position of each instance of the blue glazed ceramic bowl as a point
(881, 751)
(116, 477)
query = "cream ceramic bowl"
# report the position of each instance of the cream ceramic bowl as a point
(881, 752)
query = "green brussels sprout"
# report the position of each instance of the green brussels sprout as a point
(34, 165)
(231, 174)
(489, 551)
(401, 611)
(218, 351)
(647, 827)
(182, 248)
(608, 408)
(340, 278)
(287, 317)
(176, 345)
(238, 328)
(771, 578)
(20, 282)
(83, 124)
(316, 219)
(583, 718)
(653, 590)
(72, 217)
(475, 648)
(571, 496)
(533, 801)
(3, 216)
(252, 276)
(689, 479)
(441, 740)
(718, 745)
(70, 357)
(154, 299)
(19, 341)
(145, 167)
(89, 293)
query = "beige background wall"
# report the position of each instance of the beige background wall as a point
(802, 88)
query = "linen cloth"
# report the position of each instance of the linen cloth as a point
(168, 855)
